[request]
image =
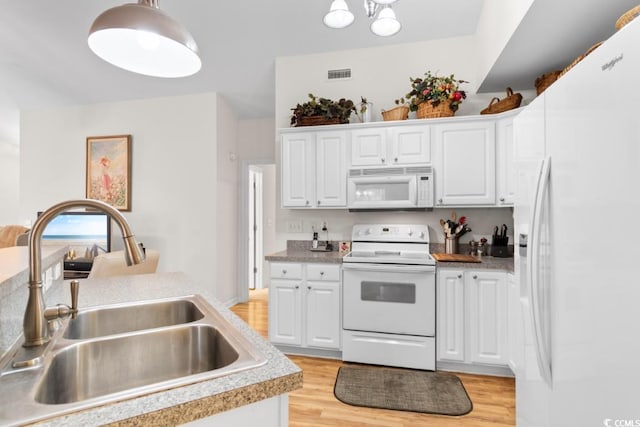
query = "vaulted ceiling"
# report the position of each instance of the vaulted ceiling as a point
(45, 60)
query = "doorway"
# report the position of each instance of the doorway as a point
(255, 231)
(257, 227)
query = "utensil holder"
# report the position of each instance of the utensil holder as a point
(451, 245)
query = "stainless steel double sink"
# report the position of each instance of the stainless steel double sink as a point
(117, 352)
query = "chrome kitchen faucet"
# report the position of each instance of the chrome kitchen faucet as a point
(36, 315)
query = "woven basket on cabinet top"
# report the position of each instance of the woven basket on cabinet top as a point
(399, 113)
(579, 58)
(496, 105)
(426, 110)
(627, 17)
(545, 80)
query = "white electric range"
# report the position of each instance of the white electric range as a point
(389, 300)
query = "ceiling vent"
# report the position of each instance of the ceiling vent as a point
(342, 74)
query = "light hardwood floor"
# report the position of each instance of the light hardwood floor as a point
(315, 405)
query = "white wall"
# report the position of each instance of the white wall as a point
(256, 146)
(9, 183)
(380, 74)
(256, 139)
(174, 172)
(227, 202)
(498, 21)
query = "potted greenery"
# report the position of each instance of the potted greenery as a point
(434, 96)
(322, 111)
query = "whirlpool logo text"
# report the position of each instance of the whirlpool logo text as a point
(608, 422)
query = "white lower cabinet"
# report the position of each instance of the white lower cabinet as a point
(472, 318)
(304, 311)
(513, 319)
(451, 318)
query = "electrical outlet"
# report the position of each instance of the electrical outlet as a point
(294, 226)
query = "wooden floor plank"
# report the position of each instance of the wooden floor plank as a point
(315, 405)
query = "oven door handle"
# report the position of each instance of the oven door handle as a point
(390, 268)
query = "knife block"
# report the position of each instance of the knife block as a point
(499, 247)
(500, 251)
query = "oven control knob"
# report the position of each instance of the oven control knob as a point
(421, 235)
(410, 232)
(369, 231)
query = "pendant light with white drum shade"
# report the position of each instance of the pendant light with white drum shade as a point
(141, 38)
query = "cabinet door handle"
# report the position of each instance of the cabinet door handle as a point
(382, 160)
(307, 202)
(502, 199)
(395, 159)
(309, 287)
(318, 202)
(459, 276)
(297, 286)
(440, 201)
(322, 273)
(475, 276)
(284, 271)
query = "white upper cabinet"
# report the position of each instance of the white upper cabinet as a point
(298, 169)
(411, 145)
(505, 163)
(465, 163)
(473, 159)
(369, 147)
(314, 169)
(331, 169)
(388, 146)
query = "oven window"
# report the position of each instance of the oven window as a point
(388, 292)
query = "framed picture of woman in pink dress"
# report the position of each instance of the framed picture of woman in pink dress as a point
(109, 170)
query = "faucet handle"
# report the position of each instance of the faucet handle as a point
(75, 288)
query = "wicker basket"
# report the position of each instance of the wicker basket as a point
(627, 17)
(578, 59)
(317, 120)
(426, 110)
(496, 105)
(545, 80)
(398, 113)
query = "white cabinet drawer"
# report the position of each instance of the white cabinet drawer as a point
(285, 270)
(323, 272)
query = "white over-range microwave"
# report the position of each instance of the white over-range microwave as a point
(390, 188)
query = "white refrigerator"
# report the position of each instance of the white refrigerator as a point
(577, 149)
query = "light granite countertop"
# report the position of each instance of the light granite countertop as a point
(300, 252)
(487, 263)
(182, 404)
(305, 255)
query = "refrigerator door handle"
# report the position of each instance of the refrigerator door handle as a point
(542, 352)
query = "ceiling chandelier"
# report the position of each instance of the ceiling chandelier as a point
(384, 24)
(143, 39)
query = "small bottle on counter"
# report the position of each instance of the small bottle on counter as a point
(473, 248)
(314, 243)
